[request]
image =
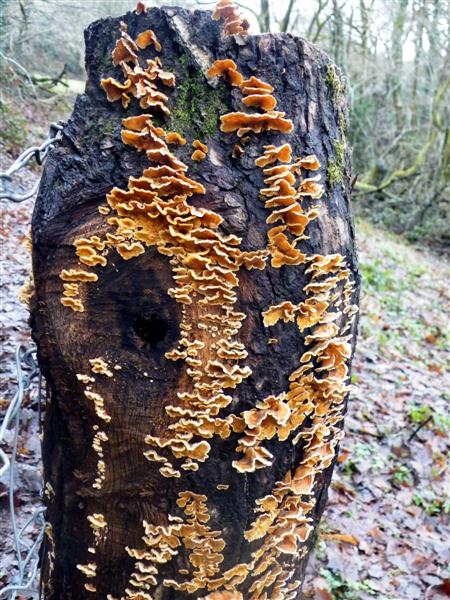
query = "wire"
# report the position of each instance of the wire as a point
(27, 370)
(39, 153)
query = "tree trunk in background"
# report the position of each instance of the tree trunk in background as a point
(395, 78)
(338, 36)
(131, 517)
(365, 29)
(419, 14)
(264, 18)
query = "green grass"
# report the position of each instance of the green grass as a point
(432, 505)
(402, 476)
(378, 277)
(421, 413)
(13, 132)
(347, 589)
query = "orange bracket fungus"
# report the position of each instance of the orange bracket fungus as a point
(242, 123)
(147, 38)
(200, 288)
(200, 150)
(226, 68)
(233, 23)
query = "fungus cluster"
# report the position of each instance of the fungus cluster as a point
(256, 93)
(233, 22)
(98, 366)
(162, 543)
(317, 391)
(71, 287)
(284, 194)
(139, 82)
(154, 211)
(200, 150)
(319, 386)
(99, 528)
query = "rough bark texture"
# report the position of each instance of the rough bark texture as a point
(130, 321)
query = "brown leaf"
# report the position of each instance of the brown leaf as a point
(341, 537)
(343, 455)
(320, 587)
(439, 592)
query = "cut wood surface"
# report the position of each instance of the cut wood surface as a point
(196, 338)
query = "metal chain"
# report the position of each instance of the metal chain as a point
(27, 554)
(39, 153)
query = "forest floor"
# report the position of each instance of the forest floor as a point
(386, 527)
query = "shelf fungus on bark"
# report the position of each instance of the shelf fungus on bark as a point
(200, 150)
(100, 366)
(266, 102)
(148, 38)
(233, 22)
(78, 275)
(273, 154)
(90, 587)
(125, 50)
(284, 310)
(226, 68)
(87, 251)
(117, 91)
(254, 85)
(173, 137)
(242, 123)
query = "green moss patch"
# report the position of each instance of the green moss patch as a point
(198, 106)
(335, 168)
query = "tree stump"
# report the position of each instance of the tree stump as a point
(194, 312)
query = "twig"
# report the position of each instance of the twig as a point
(378, 436)
(27, 75)
(51, 81)
(416, 431)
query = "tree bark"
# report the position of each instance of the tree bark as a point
(118, 526)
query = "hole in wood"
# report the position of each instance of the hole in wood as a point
(151, 330)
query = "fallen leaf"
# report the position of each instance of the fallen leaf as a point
(321, 591)
(438, 592)
(343, 455)
(341, 537)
